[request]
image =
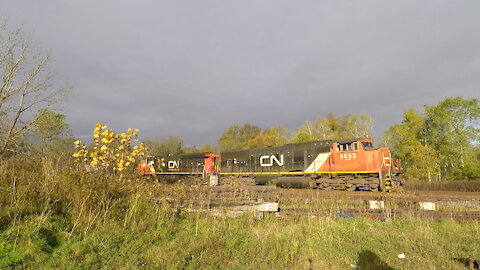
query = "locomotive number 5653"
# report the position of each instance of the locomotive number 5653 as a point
(348, 156)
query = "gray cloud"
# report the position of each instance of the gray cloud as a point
(192, 68)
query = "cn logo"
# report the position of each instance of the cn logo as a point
(268, 161)
(173, 164)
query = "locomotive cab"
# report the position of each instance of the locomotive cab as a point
(347, 156)
(365, 167)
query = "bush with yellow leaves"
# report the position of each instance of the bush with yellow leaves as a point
(110, 151)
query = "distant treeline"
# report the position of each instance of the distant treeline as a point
(249, 136)
(439, 143)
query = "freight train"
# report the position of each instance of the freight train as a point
(352, 164)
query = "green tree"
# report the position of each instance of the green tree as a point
(50, 129)
(165, 146)
(236, 137)
(190, 149)
(202, 149)
(404, 136)
(357, 126)
(328, 128)
(275, 136)
(336, 128)
(207, 148)
(424, 163)
(407, 142)
(451, 128)
(438, 144)
(304, 133)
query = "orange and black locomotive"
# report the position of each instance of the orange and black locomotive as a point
(343, 165)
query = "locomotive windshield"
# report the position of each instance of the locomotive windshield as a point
(367, 145)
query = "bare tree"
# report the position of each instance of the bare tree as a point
(25, 86)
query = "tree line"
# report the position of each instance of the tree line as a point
(249, 136)
(439, 143)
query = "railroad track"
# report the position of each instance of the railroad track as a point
(384, 214)
(312, 194)
(460, 206)
(412, 196)
(316, 193)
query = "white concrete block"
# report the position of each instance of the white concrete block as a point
(429, 206)
(213, 180)
(267, 207)
(375, 205)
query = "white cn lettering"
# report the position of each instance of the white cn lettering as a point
(173, 164)
(267, 161)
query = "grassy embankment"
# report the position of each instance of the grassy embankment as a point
(57, 216)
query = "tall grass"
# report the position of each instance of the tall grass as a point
(202, 242)
(55, 215)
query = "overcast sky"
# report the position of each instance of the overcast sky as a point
(193, 68)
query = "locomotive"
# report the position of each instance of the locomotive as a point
(352, 164)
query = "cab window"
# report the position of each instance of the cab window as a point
(347, 147)
(367, 145)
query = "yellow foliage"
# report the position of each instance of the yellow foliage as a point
(111, 151)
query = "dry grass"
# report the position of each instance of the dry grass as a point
(55, 215)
